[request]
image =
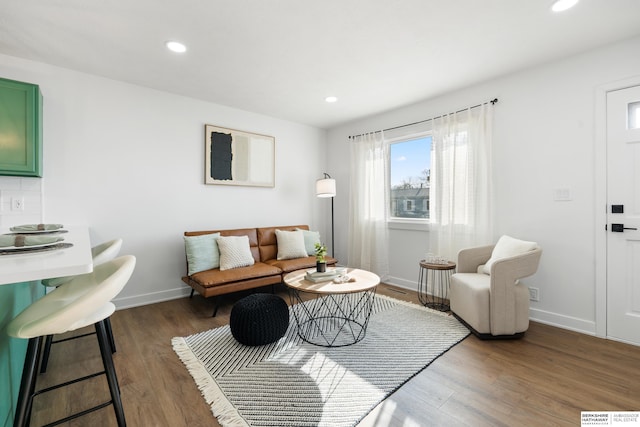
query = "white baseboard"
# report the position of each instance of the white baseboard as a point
(587, 327)
(151, 298)
(546, 317)
(402, 283)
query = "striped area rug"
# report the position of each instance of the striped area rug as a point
(293, 383)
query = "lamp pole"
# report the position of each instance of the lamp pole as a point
(333, 244)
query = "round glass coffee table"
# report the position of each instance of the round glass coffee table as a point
(332, 314)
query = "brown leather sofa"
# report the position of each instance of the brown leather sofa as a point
(267, 270)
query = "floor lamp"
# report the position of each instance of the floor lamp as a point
(326, 187)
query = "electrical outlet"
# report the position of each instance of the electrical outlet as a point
(17, 203)
(534, 294)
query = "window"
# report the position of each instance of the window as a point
(409, 177)
(408, 205)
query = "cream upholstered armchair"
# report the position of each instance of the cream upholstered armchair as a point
(485, 293)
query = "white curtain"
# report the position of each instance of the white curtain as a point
(368, 241)
(461, 187)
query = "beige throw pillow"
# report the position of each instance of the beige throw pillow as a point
(506, 248)
(234, 252)
(290, 244)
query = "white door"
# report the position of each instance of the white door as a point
(623, 215)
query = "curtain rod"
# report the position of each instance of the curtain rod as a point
(492, 102)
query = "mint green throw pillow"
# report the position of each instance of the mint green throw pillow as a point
(202, 252)
(310, 240)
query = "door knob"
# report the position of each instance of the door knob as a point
(619, 228)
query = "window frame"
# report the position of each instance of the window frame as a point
(399, 223)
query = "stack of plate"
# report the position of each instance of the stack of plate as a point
(31, 238)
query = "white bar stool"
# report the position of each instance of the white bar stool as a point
(83, 301)
(100, 254)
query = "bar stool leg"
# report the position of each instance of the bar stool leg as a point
(45, 354)
(107, 360)
(28, 383)
(112, 342)
(49, 341)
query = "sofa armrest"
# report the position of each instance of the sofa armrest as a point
(469, 259)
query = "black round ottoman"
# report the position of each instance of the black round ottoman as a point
(259, 319)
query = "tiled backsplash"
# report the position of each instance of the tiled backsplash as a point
(20, 201)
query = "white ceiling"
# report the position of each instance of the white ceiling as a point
(283, 57)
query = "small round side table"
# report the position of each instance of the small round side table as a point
(432, 278)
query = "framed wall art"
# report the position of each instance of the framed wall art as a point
(234, 157)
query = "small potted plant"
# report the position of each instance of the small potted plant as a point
(321, 253)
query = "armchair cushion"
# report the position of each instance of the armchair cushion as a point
(507, 247)
(469, 296)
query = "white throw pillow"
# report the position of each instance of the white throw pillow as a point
(202, 252)
(310, 240)
(508, 247)
(290, 244)
(234, 252)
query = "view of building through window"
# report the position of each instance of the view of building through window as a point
(410, 170)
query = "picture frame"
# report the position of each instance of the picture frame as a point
(235, 157)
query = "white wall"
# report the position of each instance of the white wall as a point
(128, 161)
(544, 139)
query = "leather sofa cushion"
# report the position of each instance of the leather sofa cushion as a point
(288, 265)
(215, 277)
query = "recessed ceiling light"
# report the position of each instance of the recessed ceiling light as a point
(562, 5)
(176, 47)
(331, 99)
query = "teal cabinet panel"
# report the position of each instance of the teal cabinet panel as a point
(20, 128)
(13, 299)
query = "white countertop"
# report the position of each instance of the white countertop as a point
(26, 267)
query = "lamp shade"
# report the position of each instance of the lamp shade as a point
(326, 187)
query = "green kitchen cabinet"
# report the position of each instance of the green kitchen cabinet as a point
(13, 299)
(20, 129)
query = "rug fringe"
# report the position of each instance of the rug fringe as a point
(222, 409)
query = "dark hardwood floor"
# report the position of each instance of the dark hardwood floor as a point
(543, 379)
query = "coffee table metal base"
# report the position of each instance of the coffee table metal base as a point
(332, 320)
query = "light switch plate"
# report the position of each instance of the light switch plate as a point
(562, 195)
